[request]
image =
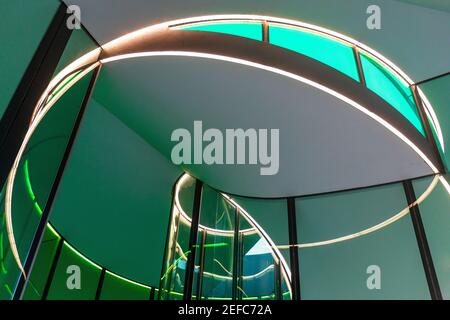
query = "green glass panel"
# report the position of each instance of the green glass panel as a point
(328, 51)
(41, 267)
(89, 277)
(218, 214)
(340, 270)
(22, 27)
(390, 88)
(118, 288)
(435, 213)
(36, 173)
(98, 187)
(252, 30)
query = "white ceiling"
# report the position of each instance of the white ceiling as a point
(325, 144)
(414, 37)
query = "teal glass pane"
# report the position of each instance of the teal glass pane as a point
(390, 88)
(435, 213)
(89, 277)
(330, 52)
(342, 270)
(252, 30)
(118, 288)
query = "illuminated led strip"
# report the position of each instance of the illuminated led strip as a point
(286, 74)
(10, 183)
(160, 27)
(385, 62)
(185, 217)
(376, 227)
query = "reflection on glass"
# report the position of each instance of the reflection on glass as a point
(233, 259)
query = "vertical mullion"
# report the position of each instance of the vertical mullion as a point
(201, 266)
(362, 79)
(293, 251)
(169, 248)
(277, 279)
(15, 121)
(100, 284)
(29, 261)
(241, 265)
(265, 31)
(51, 273)
(419, 230)
(190, 264)
(236, 256)
(426, 125)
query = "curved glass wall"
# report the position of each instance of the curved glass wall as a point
(234, 257)
(241, 251)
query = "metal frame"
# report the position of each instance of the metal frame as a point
(422, 242)
(293, 251)
(51, 273)
(190, 264)
(20, 288)
(236, 257)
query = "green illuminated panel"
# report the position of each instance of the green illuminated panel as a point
(89, 277)
(250, 30)
(41, 268)
(323, 49)
(391, 89)
(117, 288)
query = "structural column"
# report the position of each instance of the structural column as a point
(292, 224)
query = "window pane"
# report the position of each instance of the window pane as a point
(324, 49)
(340, 270)
(41, 267)
(252, 30)
(387, 86)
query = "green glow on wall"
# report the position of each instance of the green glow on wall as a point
(387, 86)
(251, 30)
(30, 189)
(328, 51)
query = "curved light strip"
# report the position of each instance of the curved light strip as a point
(286, 74)
(388, 64)
(134, 35)
(10, 183)
(185, 217)
(376, 227)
